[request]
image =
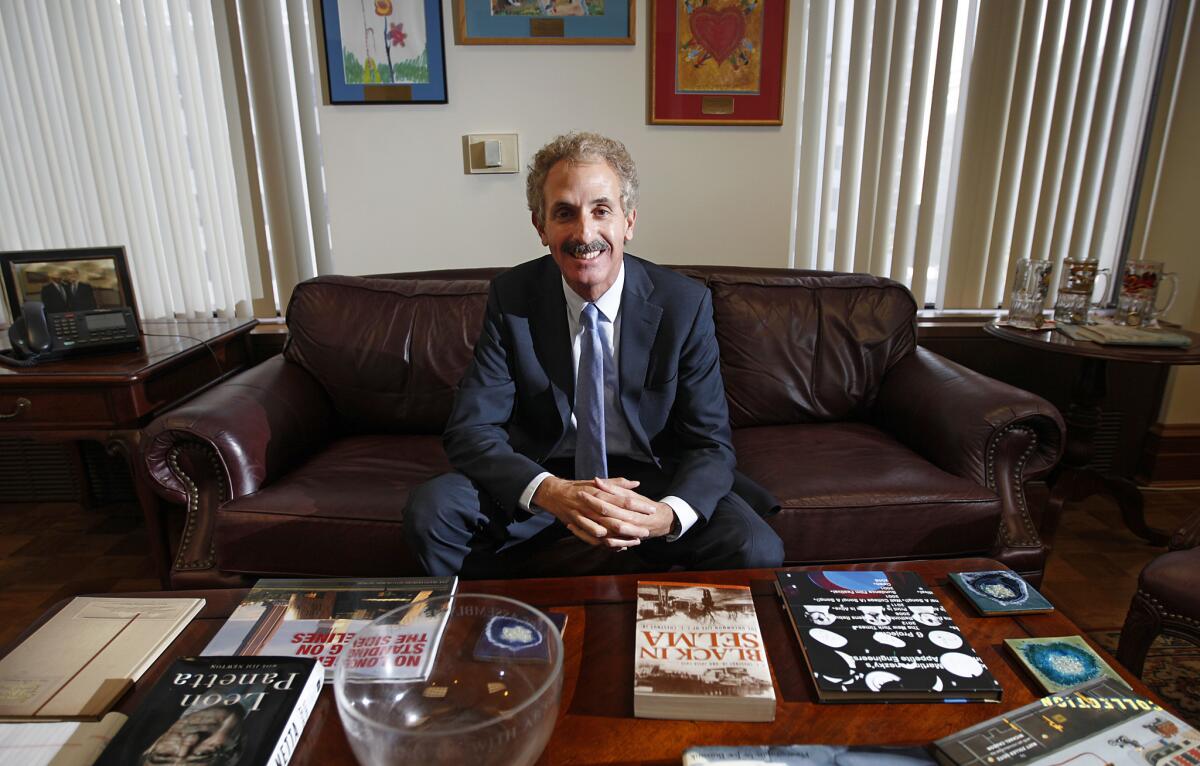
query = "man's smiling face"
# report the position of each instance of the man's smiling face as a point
(585, 226)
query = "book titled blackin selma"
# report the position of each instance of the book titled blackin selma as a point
(881, 637)
(699, 655)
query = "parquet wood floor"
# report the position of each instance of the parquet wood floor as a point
(49, 551)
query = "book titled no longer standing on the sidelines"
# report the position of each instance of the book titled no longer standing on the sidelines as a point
(319, 618)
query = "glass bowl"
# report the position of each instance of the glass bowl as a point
(468, 679)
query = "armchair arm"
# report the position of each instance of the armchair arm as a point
(258, 425)
(229, 442)
(975, 427)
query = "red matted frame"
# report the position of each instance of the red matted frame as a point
(667, 107)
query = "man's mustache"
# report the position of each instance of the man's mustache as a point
(580, 248)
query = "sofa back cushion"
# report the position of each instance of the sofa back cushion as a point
(796, 346)
(806, 346)
(389, 351)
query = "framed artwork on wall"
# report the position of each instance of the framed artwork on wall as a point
(717, 62)
(544, 22)
(383, 51)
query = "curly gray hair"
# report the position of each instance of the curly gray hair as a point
(580, 147)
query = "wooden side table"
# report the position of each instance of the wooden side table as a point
(109, 398)
(1075, 479)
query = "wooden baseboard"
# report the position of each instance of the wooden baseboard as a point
(1171, 455)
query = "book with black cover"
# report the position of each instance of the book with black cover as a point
(881, 637)
(319, 617)
(1097, 723)
(232, 711)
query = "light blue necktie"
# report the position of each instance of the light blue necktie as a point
(590, 457)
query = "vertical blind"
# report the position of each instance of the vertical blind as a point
(940, 142)
(113, 132)
(276, 61)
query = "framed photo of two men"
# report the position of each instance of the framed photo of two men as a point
(717, 62)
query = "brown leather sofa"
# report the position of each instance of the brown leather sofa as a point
(877, 449)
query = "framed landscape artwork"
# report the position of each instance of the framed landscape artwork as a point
(544, 22)
(383, 51)
(717, 62)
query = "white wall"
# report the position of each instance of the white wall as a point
(399, 200)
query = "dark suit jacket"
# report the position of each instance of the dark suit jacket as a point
(53, 300)
(514, 405)
(82, 298)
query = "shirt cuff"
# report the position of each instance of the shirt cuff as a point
(683, 512)
(526, 498)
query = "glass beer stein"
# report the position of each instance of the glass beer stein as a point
(1078, 282)
(1031, 284)
(1138, 303)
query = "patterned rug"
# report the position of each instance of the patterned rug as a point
(1172, 669)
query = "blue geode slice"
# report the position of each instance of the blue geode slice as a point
(1004, 587)
(1062, 663)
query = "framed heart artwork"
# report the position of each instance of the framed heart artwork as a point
(717, 62)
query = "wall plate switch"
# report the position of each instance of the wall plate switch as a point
(490, 153)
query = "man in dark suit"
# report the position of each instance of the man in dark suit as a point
(66, 293)
(594, 406)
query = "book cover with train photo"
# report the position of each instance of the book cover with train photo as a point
(699, 655)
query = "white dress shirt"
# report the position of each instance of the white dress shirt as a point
(617, 437)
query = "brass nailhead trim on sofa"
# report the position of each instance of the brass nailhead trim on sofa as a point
(1019, 479)
(193, 505)
(1164, 613)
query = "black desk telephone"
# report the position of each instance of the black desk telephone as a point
(37, 336)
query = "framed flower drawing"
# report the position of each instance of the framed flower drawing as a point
(717, 62)
(383, 51)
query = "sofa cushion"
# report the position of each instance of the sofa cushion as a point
(389, 352)
(337, 514)
(807, 347)
(848, 491)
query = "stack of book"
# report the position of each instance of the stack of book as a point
(246, 700)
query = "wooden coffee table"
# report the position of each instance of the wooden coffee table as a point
(596, 723)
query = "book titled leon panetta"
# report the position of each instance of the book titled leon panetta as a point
(241, 711)
(699, 655)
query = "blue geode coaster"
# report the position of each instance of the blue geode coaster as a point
(1061, 662)
(511, 638)
(1000, 592)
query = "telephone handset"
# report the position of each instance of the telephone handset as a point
(38, 337)
(30, 334)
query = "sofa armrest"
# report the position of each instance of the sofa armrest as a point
(975, 427)
(256, 426)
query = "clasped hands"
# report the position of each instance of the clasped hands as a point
(604, 512)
